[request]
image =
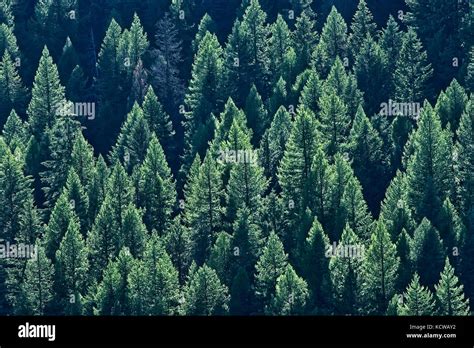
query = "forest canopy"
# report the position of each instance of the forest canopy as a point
(236, 157)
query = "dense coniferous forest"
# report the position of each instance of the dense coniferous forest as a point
(236, 157)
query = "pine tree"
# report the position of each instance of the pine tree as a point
(36, 289)
(356, 213)
(316, 266)
(8, 41)
(203, 208)
(311, 91)
(362, 26)
(6, 15)
(72, 268)
(82, 159)
(449, 294)
(160, 281)
(132, 142)
(120, 193)
(291, 294)
(15, 192)
(156, 192)
(246, 185)
(220, 256)
(134, 232)
(255, 32)
(372, 75)
(278, 135)
(429, 173)
(78, 199)
(451, 104)
(380, 269)
(294, 172)
(280, 42)
(334, 122)
(395, 210)
(202, 97)
(391, 43)
(246, 239)
(340, 176)
(270, 266)
(61, 139)
(13, 94)
(179, 245)
(365, 150)
(204, 294)
(138, 42)
(47, 95)
(104, 238)
(257, 116)
(113, 293)
(345, 85)
(224, 123)
(111, 83)
(333, 42)
(304, 39)
(428, 253)
(165, 69)
(346, 273)
(96, 190)
(15, 133)
(159, 122)
(237, 79)
(412, 71)
(418, 300)
(465, 172)
(61, 216)
(450, 227)
(206, 24)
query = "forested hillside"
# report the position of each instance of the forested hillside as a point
(236, 157)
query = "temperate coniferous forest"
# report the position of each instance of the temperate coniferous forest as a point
(236, 157)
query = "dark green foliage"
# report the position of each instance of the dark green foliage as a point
(333, 42)
(362, 27)
(72, 268)
(412, 70)
(47, 95)
(270, 266)
(13, 94)
(428, 253)
(204, 293)
(449, 294)
(252, 163)
(290, 295)
(370, 166)
(167, 58)
(417, 300)
(153, 281)
(429, 170)
(36, 289)
(316, 266)
(381, 265)
(203, 209)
